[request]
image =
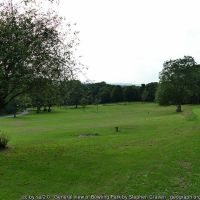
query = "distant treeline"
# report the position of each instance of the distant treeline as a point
(46, 93)
(102, 92)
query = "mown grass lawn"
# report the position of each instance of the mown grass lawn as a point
(157, 151)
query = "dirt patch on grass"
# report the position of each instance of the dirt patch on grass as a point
(180, 182)
(185, 164)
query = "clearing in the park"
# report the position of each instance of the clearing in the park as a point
(75, 151)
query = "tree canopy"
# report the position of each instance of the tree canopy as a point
(178, 79)
(32, 46)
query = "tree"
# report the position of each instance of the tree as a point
(75, 93)
(142, 88)
(149, 92)
(12, 108)
(178, 79)
(117, 94)
(95, 89)
(44, 93)
(96, 102)
(144, 95)
(104, 95)
(131, 93)
(32, 47)
(84, 102)
(162, 95)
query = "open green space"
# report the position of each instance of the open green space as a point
(156, 151)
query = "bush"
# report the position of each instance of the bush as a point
(3, 140)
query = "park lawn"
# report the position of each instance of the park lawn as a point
(157, 151)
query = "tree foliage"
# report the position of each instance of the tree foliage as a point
(32, 46)
(117, 94)
(149, 92)
(44, 93)
(178, 79)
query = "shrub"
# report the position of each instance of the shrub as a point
(3, 140)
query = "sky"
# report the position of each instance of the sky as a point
(127, 41)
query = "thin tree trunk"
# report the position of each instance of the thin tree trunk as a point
(49, 108)
(45, 109)
(97, 108)
(38, 109)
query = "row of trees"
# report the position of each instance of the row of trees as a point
(179, 84)
(45, 93)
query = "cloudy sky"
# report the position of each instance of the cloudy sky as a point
(127, 41)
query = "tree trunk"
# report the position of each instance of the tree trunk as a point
(178, 108)
(38, 109)
(97, 108)
(49, 108)
(45, 109)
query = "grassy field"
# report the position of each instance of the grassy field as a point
(157, 151)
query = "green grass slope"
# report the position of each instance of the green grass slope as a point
(157, 151)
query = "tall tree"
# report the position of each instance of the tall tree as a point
(178, 79)
(31, 47)
(75, 93)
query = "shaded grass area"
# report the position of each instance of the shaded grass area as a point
(156, 152)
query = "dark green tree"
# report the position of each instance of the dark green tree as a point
(117, 94)
(31, 47)
(84, 102)
(142, 88)
(149, 92)
(104, 95)
(130, 93)
(95, 89)
(75, 93)
(178, 79)
(44, 93)
(96, 102)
